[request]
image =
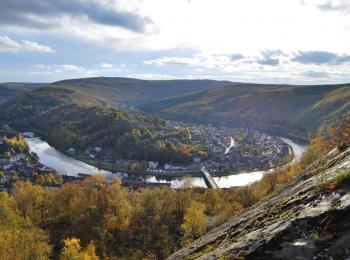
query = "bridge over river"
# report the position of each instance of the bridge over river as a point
(209, 179)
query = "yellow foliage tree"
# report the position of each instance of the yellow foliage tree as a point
(195, 220)
(73, 251)
(18, 238)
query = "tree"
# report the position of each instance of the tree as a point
(33, 201)
(24, 243)
(195, 220)
(73, 251)
(18, 238)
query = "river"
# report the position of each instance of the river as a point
(65, 164)
(57, 160)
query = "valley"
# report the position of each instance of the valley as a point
(196, 157)
(252, 150)
(66, 165)
(178, 130)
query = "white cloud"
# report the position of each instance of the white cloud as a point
(227, 26)
(9, 45)
(273, 66)
(187, 61)
(151, 76)
(60, 68)
(241, 39)
(106, 65)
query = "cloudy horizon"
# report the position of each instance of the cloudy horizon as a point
(292, 41)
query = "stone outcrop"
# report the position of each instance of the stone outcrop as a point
(309, 218)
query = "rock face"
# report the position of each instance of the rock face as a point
(308, 219)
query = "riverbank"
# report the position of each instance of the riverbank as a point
(216, 168)
(108, 167)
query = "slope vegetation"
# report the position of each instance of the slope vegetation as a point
(83, 114)
(276, 108)
(121, 91)
(308, 219)
(280, 109)
(10, 90)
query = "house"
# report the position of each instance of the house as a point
(196, 159)
(83, 175)
(98, 149)
(71, 150)
(122, 164)
(7, 167)
(92, 152)
(153, 165)
(28, 134)
(171, 167)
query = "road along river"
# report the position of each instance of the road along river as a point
(232, 144)
(65, 164)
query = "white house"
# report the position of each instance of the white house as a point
(98, 149)
(171, 167)
(7, 167)
(196, 159)
(71, 150)
(153, 165)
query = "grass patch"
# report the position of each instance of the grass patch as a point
(343, 178)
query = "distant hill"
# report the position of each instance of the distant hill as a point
(121, 91)
(286, 109)
(45, 102)
(82, 113)
(13, 89)
(281, 109)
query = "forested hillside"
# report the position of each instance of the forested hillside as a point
(280, 109)
(287, 109)
(122, 91)
(10, 90)
(68, 121)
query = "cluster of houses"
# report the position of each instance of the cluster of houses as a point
(91, 152)
(156, 167)
(13, 163)
(252, 149)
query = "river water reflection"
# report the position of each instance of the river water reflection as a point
(65, 164)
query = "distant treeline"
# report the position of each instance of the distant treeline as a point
(127, 135)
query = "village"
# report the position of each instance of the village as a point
(240, 149)
(234, 149)
(17, 163)
(228, 150)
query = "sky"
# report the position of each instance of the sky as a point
(261, 41)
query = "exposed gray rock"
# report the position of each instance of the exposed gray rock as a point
(302, 221)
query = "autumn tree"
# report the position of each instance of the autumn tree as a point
(18, 238)
(195, 220)
(73, 251)
(33, 201)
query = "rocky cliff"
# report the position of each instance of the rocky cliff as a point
(308, 218)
